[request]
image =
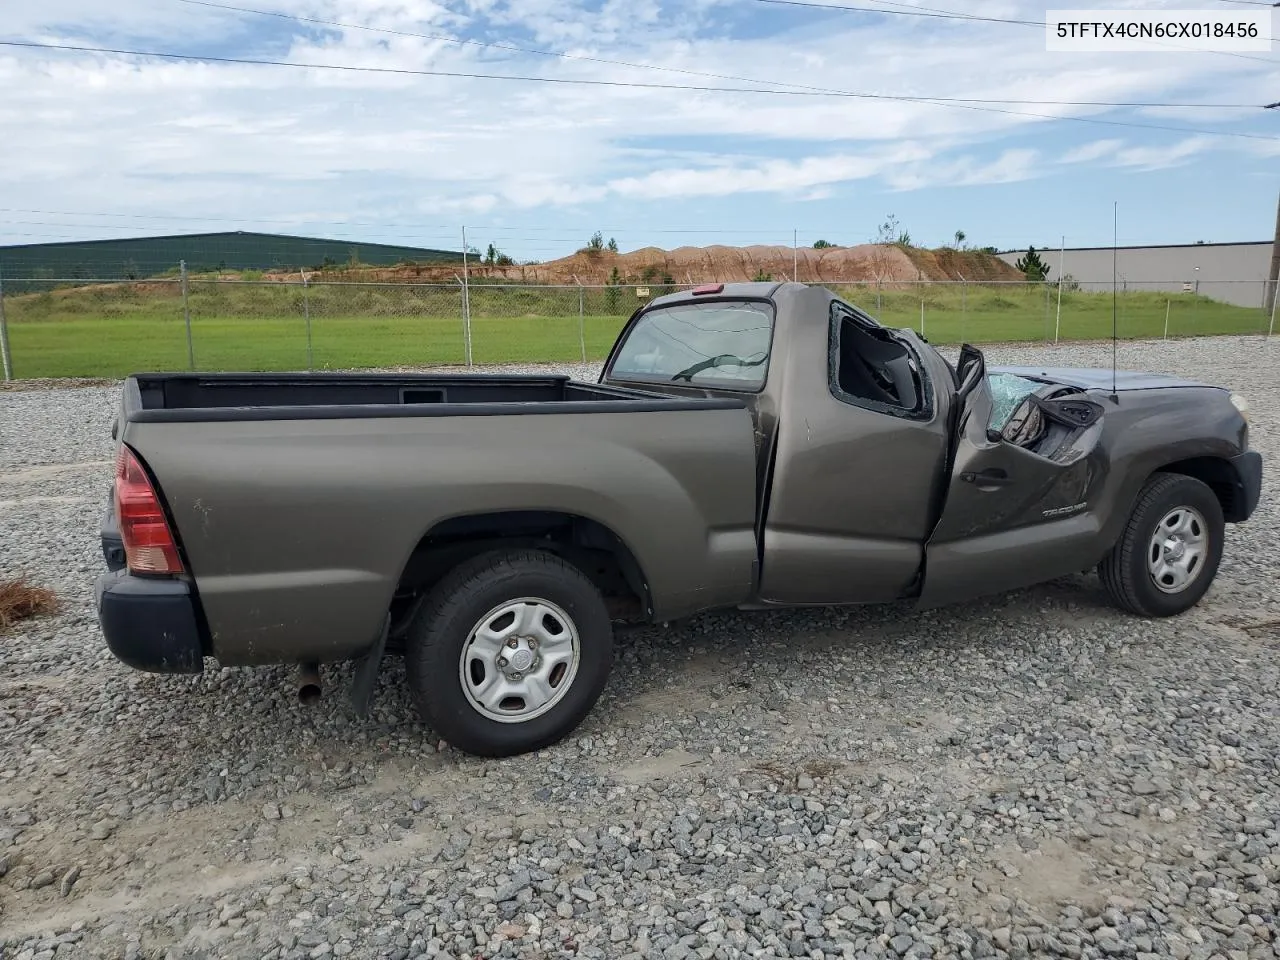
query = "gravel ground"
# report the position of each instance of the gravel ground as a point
(1033, 775)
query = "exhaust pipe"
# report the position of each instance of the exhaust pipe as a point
(309, 689)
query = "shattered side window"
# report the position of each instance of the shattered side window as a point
(1007, 392)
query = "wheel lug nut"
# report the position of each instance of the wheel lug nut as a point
(517, 676)
(513, 643)
(502, 661)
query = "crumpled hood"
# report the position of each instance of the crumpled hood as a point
(1099, 378)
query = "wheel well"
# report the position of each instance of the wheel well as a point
(590, 546)
(1220, 477)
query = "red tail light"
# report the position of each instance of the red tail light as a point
(149, 546)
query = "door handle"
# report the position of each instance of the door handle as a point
(988, 478)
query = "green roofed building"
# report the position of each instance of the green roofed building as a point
(138, 257)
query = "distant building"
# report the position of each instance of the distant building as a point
(1230, 272)
(138, 257)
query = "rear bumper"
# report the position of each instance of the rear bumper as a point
(150, 624)
(1248, 468)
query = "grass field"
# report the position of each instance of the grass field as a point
(114, 330)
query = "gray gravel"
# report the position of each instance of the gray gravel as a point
(1032, 775)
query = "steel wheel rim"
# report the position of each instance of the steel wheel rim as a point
(520, 660)
(1177, 550)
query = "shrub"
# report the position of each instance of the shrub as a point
(21, 601)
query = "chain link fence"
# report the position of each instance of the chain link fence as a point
(80, 328)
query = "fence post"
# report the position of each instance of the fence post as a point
(1167, 302)
(1196, 304)
(922, 316)
(1057, 323)
(306, 315)
(582, 319)
(186, 316)
(466, 319)
(1275, 298)
(466, 299)
(4, 338)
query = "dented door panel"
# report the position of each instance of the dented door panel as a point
(1014, 516)
(853, 490)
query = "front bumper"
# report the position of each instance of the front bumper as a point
(1248, 487)
(150, 624)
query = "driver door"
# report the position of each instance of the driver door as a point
(1011, 517)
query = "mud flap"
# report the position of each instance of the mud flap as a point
(366, 672)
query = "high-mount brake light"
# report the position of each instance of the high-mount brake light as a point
(708, 288)
(149, 546)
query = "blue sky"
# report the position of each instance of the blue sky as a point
(103, 146)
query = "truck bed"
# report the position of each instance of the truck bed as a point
(205, 397)
(298, 500)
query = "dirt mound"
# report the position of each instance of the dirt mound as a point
(951, 264)
(721, 263)
(864, 263)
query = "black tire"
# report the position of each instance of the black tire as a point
(455, 608)
(1124, 571)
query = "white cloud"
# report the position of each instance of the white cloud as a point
(1155, 158)
(966, 171)
(774, 176)
(1085, 153)
(115, 135)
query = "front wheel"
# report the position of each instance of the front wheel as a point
(509, 653)
(1169, 552)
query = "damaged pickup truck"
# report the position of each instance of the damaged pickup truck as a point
(752, 445)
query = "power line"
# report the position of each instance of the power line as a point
(570, 233)
(480, 43)
(818, 91)
(928, 12)
(954, 102)
(903, 10)
(386, 234)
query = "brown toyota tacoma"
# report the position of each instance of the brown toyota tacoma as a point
(751, 445)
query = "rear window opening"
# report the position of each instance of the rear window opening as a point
(871, 368)
(724, 344)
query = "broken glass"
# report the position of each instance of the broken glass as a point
(1007, 391)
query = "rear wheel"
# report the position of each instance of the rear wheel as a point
(509, 653)
(1168, 555)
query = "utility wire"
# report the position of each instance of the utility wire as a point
(928, 12)
(476, 43)
(397, 230)
(821, 91)
(954, 102)
(903, 10)
(569, 234)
